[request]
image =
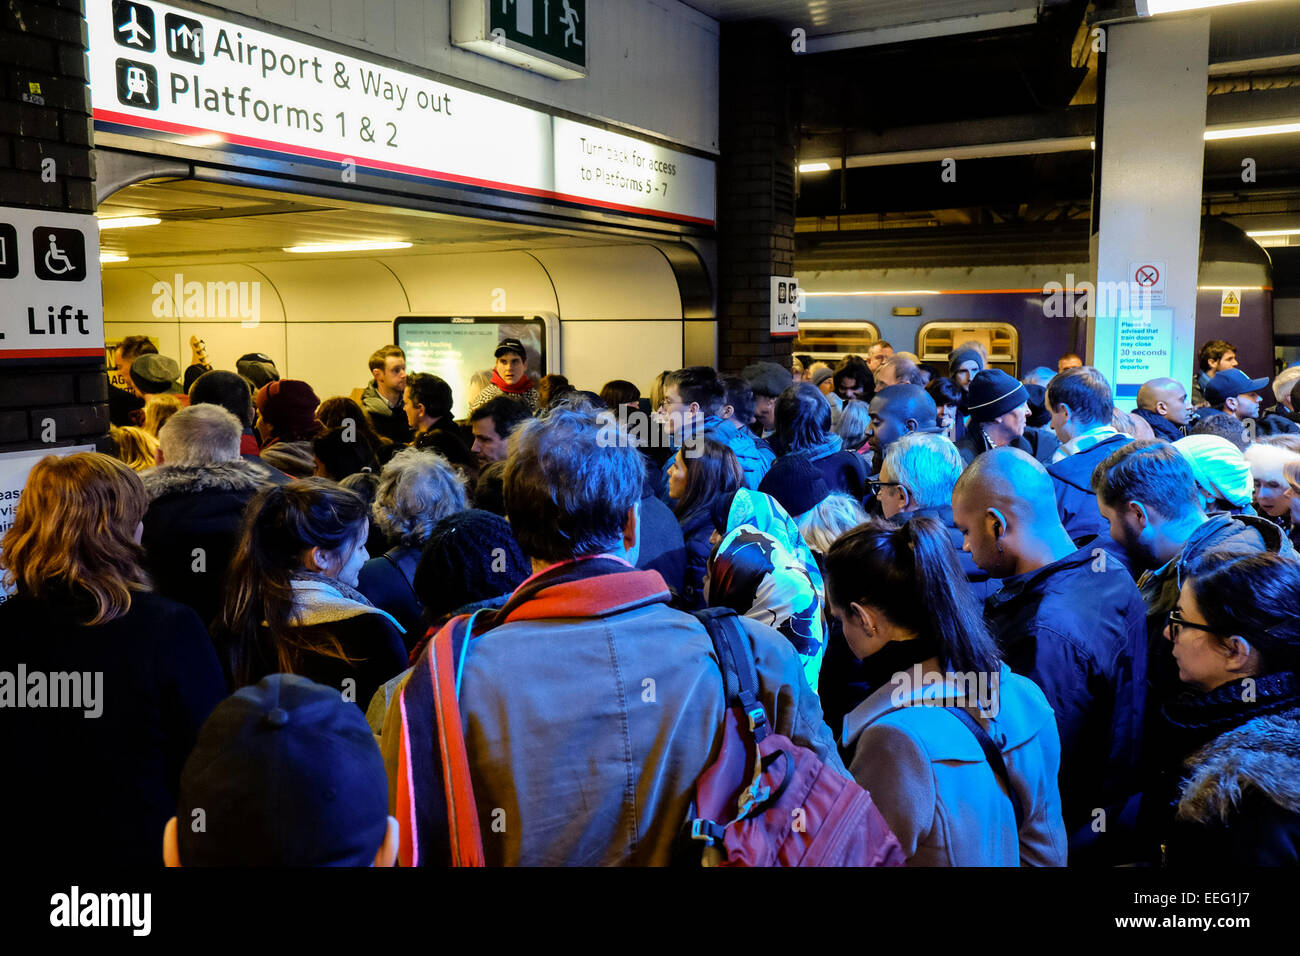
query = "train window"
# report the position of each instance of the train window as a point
(1001, 341)
(830, 341)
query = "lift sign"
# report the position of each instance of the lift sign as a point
(50, 299)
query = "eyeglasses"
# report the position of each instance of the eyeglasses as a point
(877, 485)
(1176, 625)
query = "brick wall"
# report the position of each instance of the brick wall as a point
(45, 113)
(756, 205)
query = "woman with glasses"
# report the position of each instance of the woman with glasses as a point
(1232, 778)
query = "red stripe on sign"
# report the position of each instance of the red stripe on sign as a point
(50, 353)
(164, 126)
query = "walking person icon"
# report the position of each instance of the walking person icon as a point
(59, 255)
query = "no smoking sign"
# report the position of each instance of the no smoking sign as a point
(1148, 277)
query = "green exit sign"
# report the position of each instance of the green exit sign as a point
(546, 36)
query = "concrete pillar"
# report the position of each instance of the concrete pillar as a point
(756, 206)
(46, 403)
(1147, 201)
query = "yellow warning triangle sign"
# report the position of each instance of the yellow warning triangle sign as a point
(1230, 298)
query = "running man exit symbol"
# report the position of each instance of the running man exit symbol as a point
(133, 26)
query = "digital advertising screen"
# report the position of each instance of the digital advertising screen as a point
(455, 347)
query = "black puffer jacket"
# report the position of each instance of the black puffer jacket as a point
(192, 528)
(1236, 800)
(1077, 628)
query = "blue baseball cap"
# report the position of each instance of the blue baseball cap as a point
(1232, 382)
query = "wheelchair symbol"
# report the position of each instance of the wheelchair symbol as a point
(55, 254)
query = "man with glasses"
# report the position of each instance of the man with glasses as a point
(916, 481)
(1147, 493)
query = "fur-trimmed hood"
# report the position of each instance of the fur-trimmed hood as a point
(229, 476)
(1263, 753)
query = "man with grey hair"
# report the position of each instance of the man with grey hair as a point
(590, 706)
(916, 481)
(197, 496)
(902, 369)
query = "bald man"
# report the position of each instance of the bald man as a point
(899, 370)
(1072, 621)
(1165, 405)
(897, 411)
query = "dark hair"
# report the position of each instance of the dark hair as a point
(470, 556)
(1212, 351)
(857, 370)
(803, 417)
(1148, 471)
(569, 484)
(489, 490)
(506, 412)
(619, 392)
(912, 574)
(805, 360)
(1223, 425)
(700, 384)
(1295, 395)
(343, 453)
(712, 469)
(336, 412)
(550, 387)
(280, 523)
(945, 391)
(739, 394)
(226, 390)
(1087, 393)
(379, 360)
(1252, 595)
(431, 392)
(133, 346)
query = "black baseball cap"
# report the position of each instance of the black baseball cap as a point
(286, 773)
(511, 345)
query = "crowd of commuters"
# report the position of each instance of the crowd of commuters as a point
(1035, 627)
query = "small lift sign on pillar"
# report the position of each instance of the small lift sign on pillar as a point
(785, 306)
(50, 300)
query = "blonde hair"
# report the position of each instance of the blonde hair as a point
(1291, 472)
(75, 527)
(136, 448)
(477, 382)
(158, 410)
(836, 514)
(1291, 442)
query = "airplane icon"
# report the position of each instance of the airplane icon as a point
(133, 27)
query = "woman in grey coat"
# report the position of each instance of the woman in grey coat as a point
(960, 755)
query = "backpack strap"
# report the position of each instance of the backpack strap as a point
(994, 756)
(736, 658)
(406, 568)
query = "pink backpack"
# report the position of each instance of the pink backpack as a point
(765, 801)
